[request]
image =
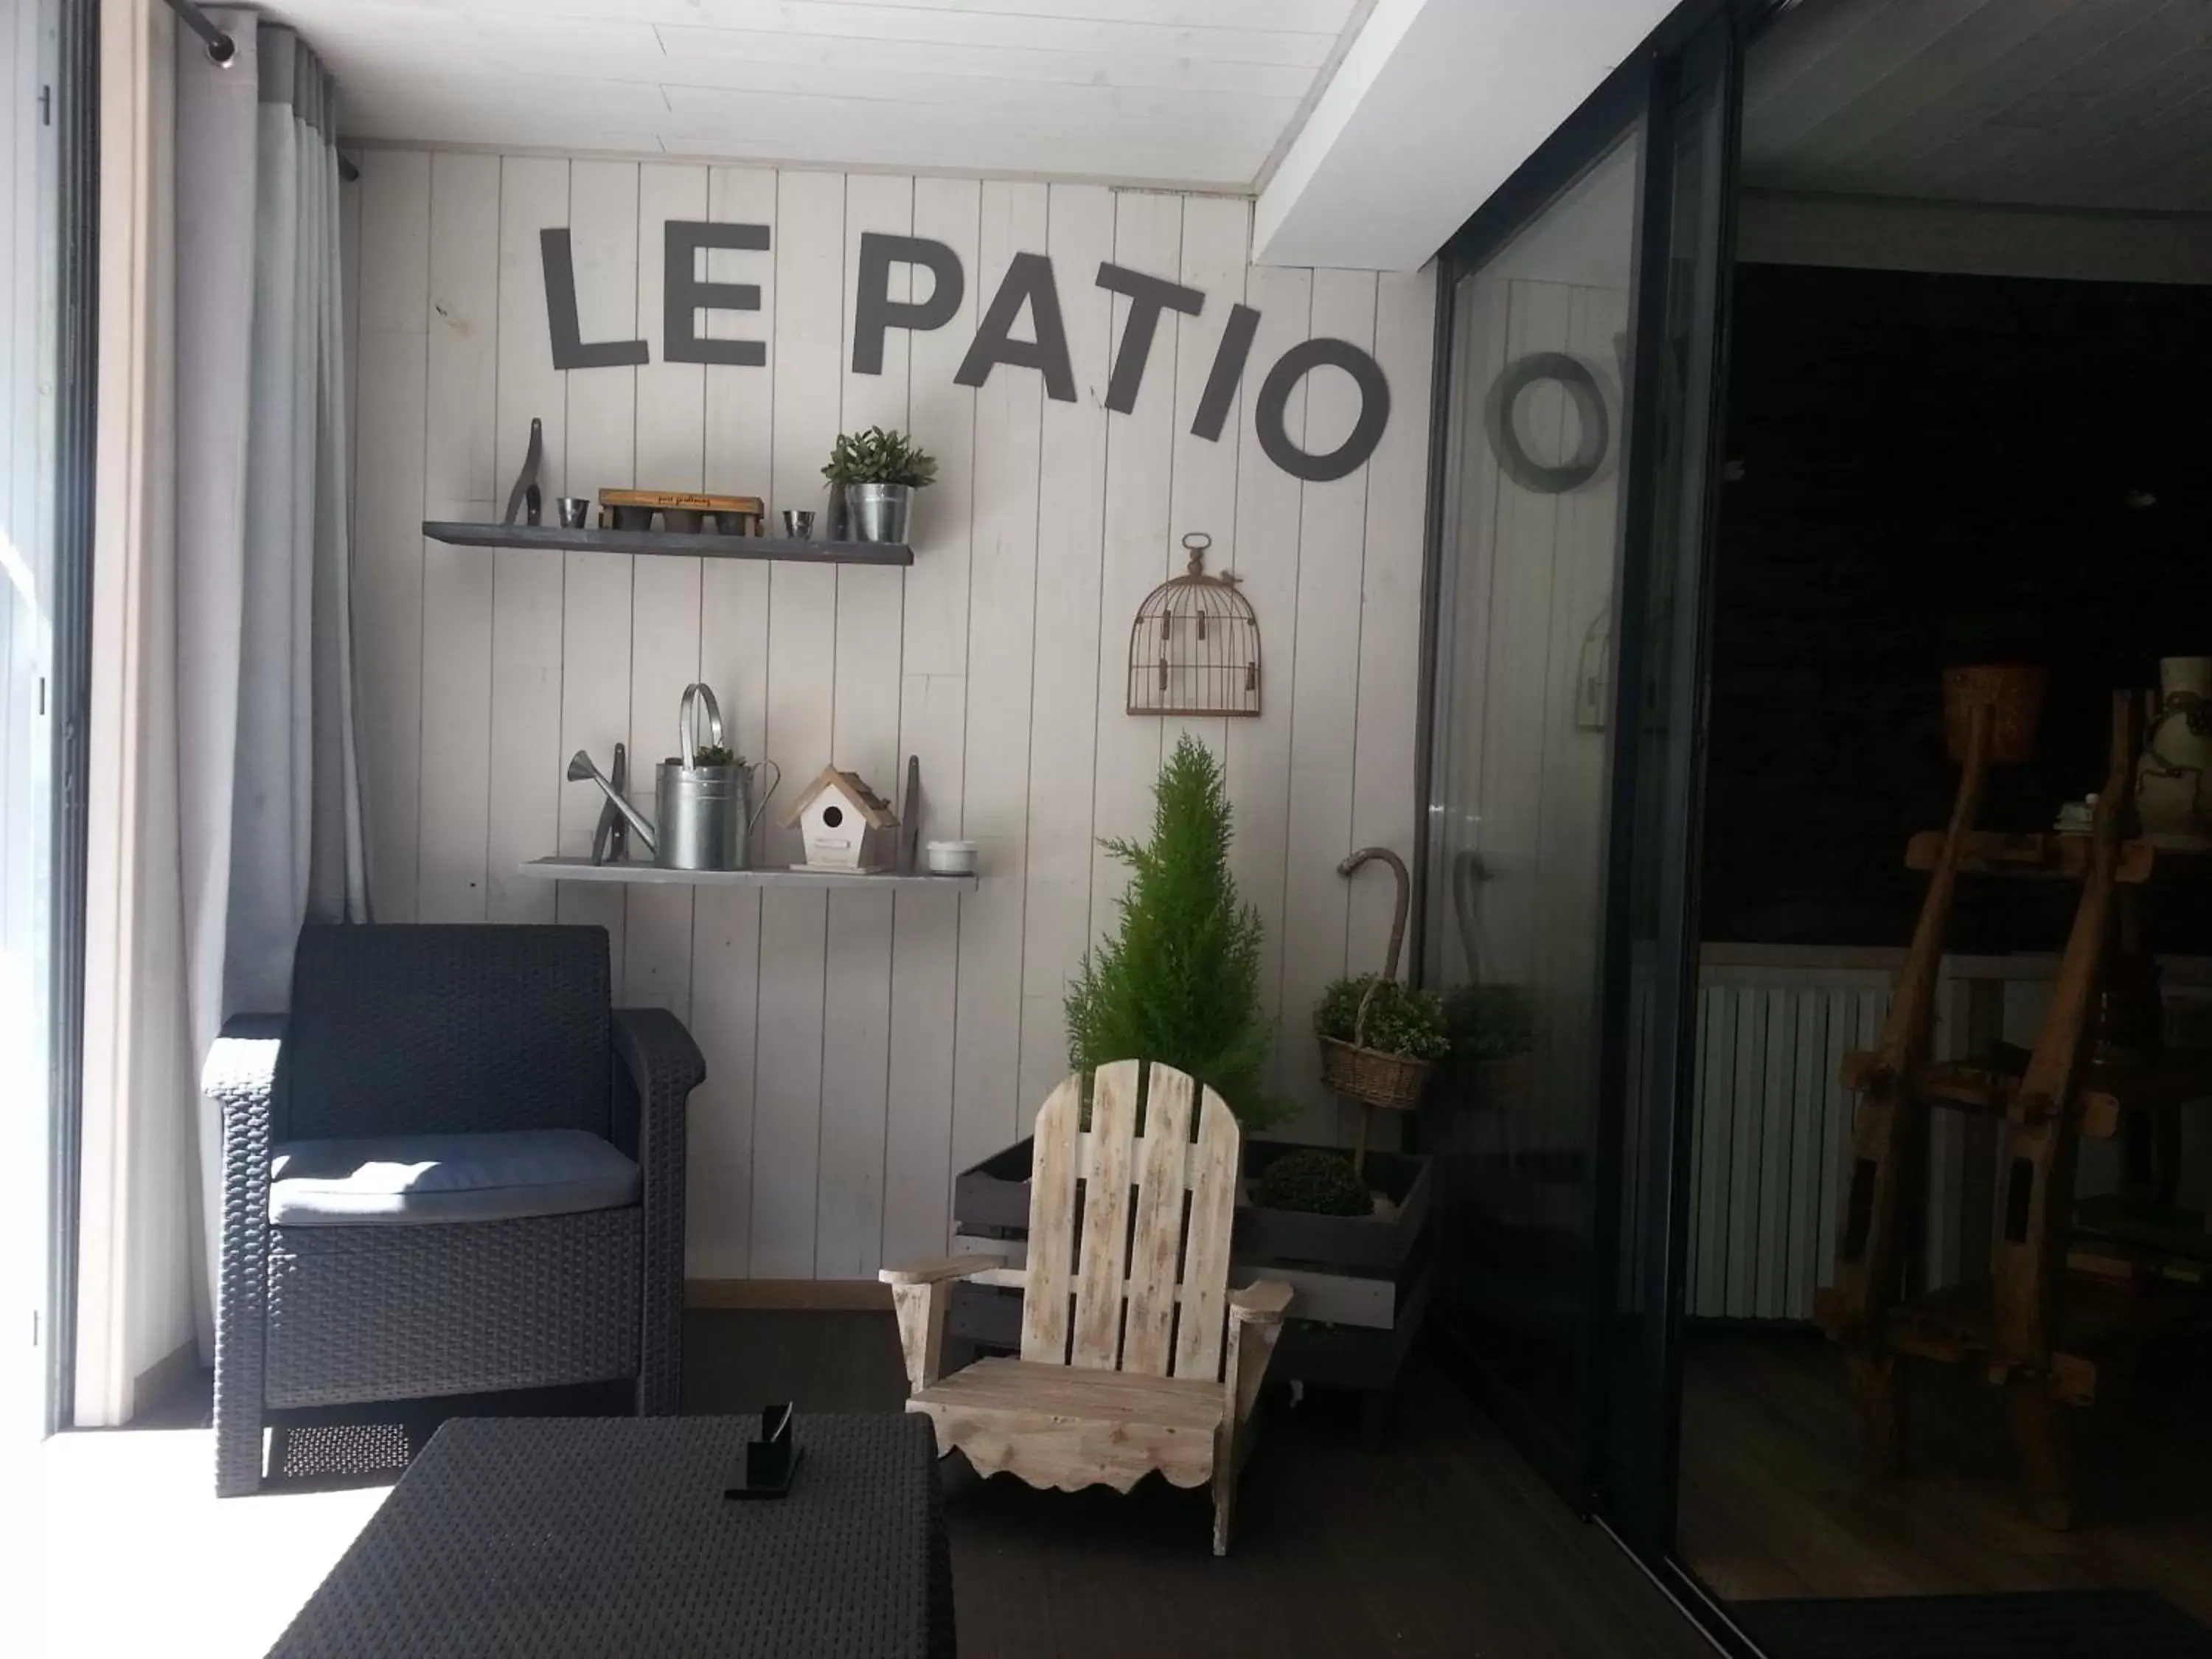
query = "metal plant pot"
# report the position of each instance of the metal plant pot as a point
(877, 512)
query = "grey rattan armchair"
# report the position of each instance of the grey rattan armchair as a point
(471, 1036)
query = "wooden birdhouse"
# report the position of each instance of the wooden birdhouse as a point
(844, 824)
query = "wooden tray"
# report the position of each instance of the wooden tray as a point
(681, 500)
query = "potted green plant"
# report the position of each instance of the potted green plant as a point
(1402, 1024)
(1380, 1042)
(877, 472)
(1179, 982)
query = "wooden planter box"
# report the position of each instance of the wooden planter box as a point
(1361, 1282)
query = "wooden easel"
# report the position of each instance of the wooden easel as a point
(2008, 1328)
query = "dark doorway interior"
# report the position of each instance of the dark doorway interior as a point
(1926, 470)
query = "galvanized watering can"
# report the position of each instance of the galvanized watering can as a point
(705, 813)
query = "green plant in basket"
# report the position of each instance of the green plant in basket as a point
(877, 457)
(1180, 983)
(1406, 1022)
(1489, 1022)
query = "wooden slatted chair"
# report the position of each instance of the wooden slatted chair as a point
(1124, 1368)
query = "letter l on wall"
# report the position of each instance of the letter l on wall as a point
(570, 350)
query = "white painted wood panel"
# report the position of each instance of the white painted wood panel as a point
(863, 1049)
(1215, 233)
(460, 435)
(664, 593)
(932, 725)
(809, 378)
(1182, 94)
(739, 419)
(1135, 558)
(1384, 762)
(988, 1109)
(527, 763)
(1324, 698)
(1265, 555)
(596, 588)
(865, 738)
(1070, 639)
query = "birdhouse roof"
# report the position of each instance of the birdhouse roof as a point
(872, 807)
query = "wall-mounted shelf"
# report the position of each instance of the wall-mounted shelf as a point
(653, 875)
(553, 538)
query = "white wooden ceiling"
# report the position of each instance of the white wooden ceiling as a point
(1194, 92)
(2103, 104)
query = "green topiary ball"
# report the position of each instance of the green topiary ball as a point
(1316, 1181)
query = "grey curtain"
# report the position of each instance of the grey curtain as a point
(269, 779)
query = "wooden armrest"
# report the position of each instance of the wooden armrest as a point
(951, 1266)
(1264, 1299)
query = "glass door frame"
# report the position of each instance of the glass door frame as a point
(1640, 98)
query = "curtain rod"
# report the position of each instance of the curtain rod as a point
(224, 51)
(220, 48)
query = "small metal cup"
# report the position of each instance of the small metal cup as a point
(797, 524)
(575, 512)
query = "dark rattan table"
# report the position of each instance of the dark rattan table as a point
(581, 1537)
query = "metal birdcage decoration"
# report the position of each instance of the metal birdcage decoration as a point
(1195, 648)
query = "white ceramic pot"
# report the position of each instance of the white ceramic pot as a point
(949, 857)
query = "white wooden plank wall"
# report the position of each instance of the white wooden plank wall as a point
(861, 1050)
(1065, 682)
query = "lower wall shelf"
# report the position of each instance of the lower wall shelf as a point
(654, 875)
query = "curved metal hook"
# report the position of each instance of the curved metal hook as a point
(1367, 855)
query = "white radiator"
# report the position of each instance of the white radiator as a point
(1769, 1127)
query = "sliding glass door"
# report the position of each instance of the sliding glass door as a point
(1658, 810)
(1581, 332)
(1520, 759)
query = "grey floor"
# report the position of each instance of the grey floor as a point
(1442, 1543)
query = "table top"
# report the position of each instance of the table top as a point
(580, 1537)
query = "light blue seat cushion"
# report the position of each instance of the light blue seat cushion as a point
(405, 1181)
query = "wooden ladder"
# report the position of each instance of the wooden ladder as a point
(2008, 1328)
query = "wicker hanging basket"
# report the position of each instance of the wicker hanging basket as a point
(1392, 1082)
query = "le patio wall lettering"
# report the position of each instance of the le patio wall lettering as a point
(1029, 286)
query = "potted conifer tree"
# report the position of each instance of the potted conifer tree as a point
(1179, 982)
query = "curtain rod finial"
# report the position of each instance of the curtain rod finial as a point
(222, 50)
